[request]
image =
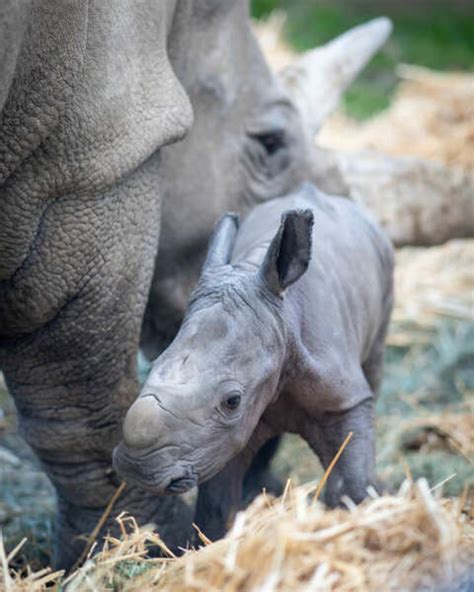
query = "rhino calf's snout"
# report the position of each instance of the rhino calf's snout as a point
(144, 426)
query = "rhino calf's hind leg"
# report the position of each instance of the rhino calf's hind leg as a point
(354, 471)
(373, 366)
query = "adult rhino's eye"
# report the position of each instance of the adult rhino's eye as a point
(272, 141)
(232, 401)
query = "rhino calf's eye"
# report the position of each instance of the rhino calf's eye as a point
(232, 401)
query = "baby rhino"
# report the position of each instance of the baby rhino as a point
(284, 333)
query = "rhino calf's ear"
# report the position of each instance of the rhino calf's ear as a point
(222, 241)
(289, 253)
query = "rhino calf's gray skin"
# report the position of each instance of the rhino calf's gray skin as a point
(284, 333)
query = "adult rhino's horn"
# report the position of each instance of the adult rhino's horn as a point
(316, 80)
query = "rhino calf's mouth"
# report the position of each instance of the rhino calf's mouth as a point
(141, 470)
(181, 485)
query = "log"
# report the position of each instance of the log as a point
(418, 202)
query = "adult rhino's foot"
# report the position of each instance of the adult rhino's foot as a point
(171, 516)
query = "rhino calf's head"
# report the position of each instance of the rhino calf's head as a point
(206, 393)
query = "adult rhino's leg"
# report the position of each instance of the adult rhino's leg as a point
(354, 470)
(74, 375)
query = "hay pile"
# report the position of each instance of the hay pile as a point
(407, 542)
(431, 117)
(431, 284)
(451, 431)
(411, 541)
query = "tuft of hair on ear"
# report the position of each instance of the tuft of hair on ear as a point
(289, 253)
(222, 241)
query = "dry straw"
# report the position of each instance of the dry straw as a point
(451, 431)
(388, 543)
(431, 117)
(411, 541)
(431, 284)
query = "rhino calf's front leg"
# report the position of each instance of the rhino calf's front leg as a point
(219, 499)
(354, 470)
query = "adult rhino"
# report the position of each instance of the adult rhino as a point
(90, 95)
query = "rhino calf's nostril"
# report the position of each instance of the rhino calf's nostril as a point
(143, 424)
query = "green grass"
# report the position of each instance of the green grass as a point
(430, 377)
(441, 37)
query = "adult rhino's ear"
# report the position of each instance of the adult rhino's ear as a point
(289, 253)
(222, 241)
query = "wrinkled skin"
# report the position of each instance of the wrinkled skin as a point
(94, 98)
(279, 336)
(91, 93)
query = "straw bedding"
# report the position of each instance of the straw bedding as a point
(410, 541)
(431, 117)
(391, 543)
(451, 431)
(431, 284)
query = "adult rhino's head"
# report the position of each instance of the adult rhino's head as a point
(252, 140)
(206, 393)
